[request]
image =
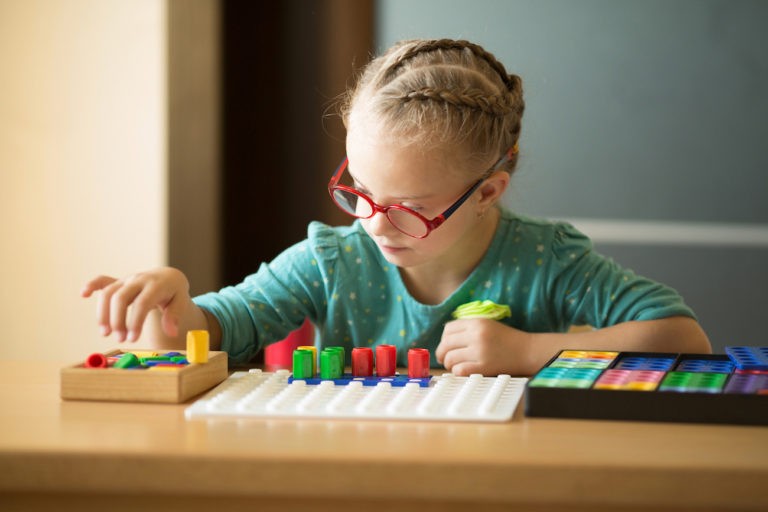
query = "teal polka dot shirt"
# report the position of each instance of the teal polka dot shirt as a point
(546, 272)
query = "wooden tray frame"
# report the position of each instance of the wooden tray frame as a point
(141, 385)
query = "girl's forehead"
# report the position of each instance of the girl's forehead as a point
(390, 168)
(385, 168)
(371, 145)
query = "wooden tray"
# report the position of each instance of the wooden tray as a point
(142, 385)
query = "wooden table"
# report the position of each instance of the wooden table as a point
(65, 455)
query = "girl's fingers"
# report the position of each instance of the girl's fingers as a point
(118, 307)
(466, 368)
(103, 306)
(95, 284)
(140, 307)
(146, 300)
(451, 340)
(124, 304)
(457, 356)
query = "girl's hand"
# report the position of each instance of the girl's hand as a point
(481, 345)
(123, 304)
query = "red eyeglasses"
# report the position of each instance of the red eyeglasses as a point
(405, 220)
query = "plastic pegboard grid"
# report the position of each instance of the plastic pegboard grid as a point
(258, 394)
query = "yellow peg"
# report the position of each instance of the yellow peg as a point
(198, 344)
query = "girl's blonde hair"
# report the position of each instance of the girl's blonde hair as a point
(442, 93)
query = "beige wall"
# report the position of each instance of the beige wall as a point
(82, 163)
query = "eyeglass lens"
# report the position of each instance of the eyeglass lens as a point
(358, 206)
(407, 222)
(352, 203)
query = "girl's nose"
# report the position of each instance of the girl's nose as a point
(379, 224)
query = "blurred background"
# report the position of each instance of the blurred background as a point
(201, 134)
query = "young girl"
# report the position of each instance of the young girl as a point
(432, 141)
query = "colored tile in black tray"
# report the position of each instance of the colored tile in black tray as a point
(648, 362)
(749, 358)
(704, 363)
(748, 382)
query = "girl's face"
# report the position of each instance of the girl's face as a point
(425, 181)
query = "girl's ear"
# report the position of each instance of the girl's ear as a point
(492, 188)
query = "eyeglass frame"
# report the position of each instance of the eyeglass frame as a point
(430, 225)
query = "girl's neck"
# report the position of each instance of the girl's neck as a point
(434, 282)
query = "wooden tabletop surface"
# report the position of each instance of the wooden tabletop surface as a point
(81, 455)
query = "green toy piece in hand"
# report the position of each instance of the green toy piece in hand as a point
(482, 309)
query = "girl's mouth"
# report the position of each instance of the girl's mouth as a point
(391, 249)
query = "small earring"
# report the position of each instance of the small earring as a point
(481, 214)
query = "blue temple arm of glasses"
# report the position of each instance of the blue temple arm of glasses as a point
(447, 213)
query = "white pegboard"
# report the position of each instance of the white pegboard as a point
(447, 398)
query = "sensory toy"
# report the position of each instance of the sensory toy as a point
(258, 394)
(706, 388)
(142, 376)
(482, 309)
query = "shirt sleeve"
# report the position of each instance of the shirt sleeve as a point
(591, 289)
(271, 303)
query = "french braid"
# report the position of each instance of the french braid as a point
(467, 98)
(457, 45)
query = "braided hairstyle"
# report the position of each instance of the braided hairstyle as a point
(442, 93)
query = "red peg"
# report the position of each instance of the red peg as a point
(96, 361)
(362, 362)
(386, 360)
(418, 363)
